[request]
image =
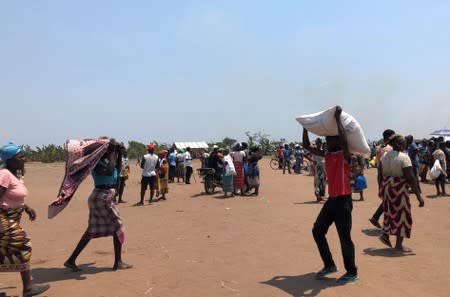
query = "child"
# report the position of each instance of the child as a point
(357, 179)
(359, 185)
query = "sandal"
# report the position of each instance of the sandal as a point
(385, 239)
(36, 290)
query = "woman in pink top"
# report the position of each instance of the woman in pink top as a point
(15, 252)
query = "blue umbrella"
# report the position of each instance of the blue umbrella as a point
(441, 132)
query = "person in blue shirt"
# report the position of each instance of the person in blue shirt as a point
(298, 154)
(413, 153)
(104, 217)
(172, 165)
(287, 152)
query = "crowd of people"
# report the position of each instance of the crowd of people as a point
(402, 164)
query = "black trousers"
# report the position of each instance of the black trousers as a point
(378, 212)
(121, 187)
(188, 174)
(336, 210)
(416, 174)
(172, 172)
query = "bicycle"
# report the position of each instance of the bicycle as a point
(274, 163)
(210, 179)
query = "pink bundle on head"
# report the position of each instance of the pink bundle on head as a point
(82, 157)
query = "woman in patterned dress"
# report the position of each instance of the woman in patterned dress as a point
(394, 176)
(238, 156)
(15, 246)
(163, 176)
(104, 217)
(253, 169)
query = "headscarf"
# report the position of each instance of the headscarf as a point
(162, 153)
(151, 147)
(8, 151)
(396, 140)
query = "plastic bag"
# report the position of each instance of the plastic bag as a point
(436, 170)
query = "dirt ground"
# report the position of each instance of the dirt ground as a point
(202, 245)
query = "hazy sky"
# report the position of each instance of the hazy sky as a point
(205, 70)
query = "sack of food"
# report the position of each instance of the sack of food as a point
(324, 124)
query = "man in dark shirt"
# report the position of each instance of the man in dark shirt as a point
(214, 161)
(413, 153)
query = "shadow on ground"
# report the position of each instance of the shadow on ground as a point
(386, 252)
(3, 294)
(301, 285)
(309, 202)
(433, 196)
(47, 275)
(372, 232)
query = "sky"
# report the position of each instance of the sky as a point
(205, 70)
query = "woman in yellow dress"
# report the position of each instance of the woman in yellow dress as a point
(163, 176)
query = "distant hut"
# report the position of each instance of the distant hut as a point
(197, 147)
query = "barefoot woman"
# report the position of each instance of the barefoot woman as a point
(104, 218)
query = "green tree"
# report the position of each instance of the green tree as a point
(136, 149)
(261, 139)
(46, 154)
(227, 142)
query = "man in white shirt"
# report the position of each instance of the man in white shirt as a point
(188, 165)
(149, 165)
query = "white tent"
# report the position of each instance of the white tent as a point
(192, 145)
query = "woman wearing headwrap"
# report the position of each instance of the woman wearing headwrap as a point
(253, 169)
(163, 175)
(104, 217)
(228, 174)
(238, 156)
(395, 174)
(15, 246)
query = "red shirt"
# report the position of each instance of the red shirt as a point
(280, 152)
(338, 174)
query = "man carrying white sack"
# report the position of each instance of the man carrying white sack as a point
(338, 208)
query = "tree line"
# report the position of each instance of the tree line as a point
(56, 153)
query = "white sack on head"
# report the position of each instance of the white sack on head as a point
(324, 124)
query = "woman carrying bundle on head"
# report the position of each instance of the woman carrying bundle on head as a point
(104, 217)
